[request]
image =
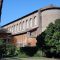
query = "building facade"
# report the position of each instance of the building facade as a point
(26, 29)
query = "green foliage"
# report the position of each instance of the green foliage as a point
(56, 39)
(1, 42)
(49, 33)
(57, 25)
(29, 52)
(2, 48)
(39, 53)
(48, 41)
(10, 50)
(52, 37)
(6, 49)
(21, 53)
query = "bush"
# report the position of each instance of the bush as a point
(39, 53)
(2, 48)
(49, 40)
(52, 39)
(21, 53)
(10, 50)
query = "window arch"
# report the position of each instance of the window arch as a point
(14, 28)
(23, 25)
(30, 22)
(35, 20)
(10, 29)
(27, 23)
(17, 27)
(20, 26)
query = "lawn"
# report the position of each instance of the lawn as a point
(30, 58)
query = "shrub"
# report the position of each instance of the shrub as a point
(10, 50)
(39, 53)
(52, 38)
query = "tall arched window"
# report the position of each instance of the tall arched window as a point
(30, 22)
(35, 20)
(20, 26)
(27, 23)
(14, 28)
(17, 27)
(10, 29)
(23, 24)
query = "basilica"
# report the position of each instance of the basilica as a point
(26, 28)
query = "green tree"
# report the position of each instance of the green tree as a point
(2, 48)
(10, 50)
(6, 47)
(57, 25)
(56, 41)
(52, 38)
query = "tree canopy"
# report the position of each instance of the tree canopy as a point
(52, 37)
(49, 40)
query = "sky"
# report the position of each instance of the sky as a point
(14, 9)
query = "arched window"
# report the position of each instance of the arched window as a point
(14, 28)
(17, 27)
(35, 20)
(20, 26)
(23, 25)
(10, 29)
(30, 22)
(27, 24)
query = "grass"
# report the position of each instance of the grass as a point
(30, 58)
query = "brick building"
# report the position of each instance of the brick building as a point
(27, 28)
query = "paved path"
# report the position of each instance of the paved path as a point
(31, 58)
(39, 58)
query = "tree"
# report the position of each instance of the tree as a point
(56, 41)
(52, 38)
(10, 50)
(57, 25)
(49, 33)
(6, 47)
(2, 48)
